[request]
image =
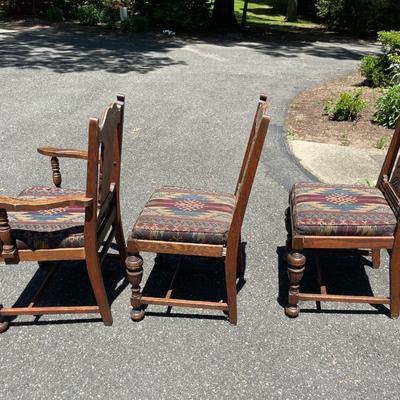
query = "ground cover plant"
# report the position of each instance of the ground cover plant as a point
(347, 107)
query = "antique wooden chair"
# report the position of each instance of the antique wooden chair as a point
(343, 217)
(198, 223)
(55, 224)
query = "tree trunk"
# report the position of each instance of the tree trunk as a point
(224, 15)
(291, 12)
(244, 15)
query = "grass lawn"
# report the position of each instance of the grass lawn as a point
(271, 13)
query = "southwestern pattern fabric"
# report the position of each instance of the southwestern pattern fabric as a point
(176, 214)
(340, 210)
(48, 229)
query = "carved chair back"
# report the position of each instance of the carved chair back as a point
(249, 167)
(389, 178)
(104, 159)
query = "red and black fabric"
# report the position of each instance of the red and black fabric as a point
(176, 214)
(48, 229)
(340, 210)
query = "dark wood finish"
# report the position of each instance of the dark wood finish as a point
(230, 252)
(389, 184)
(102, 215)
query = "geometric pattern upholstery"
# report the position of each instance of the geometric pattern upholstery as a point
(175, 214)
(340, 210)
(48, 229)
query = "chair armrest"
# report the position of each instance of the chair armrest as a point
(13, 204)
(70, 153)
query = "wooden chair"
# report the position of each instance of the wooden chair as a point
(198, 223)
(343, 217)
(55, 224)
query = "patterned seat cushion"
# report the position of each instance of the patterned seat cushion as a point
(48, 229)
(184, 215)
(340, 210)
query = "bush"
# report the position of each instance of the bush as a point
(347, 107)
(178, 14)
(390, 41)
(55, 14)
(388, 107)
(360, 16)
(136, 23)
(88, 14)
(110, 16)
(375, 70)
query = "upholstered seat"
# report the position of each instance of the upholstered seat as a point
(48, 229)
(340, 210)
(176, 214)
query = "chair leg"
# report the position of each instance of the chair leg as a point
(3, 324)
(376, 258)
(119, 238)
(230, 281)
(394, 285)
(96, 280)
(134, 271)
(296, 263)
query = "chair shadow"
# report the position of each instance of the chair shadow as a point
(344, 274)
(70, 286)
(199, 278)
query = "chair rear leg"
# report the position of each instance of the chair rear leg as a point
(96, 280)
(296, 263)
(230, 280)
(119, 238)
(376, 258)
(394, 284)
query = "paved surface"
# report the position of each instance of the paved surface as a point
(332, 163)
(189, 106)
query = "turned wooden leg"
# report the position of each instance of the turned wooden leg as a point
(296, 263)
(55, 167)
(9, 252)
(134, 270)
(3, 324)
(376, 258)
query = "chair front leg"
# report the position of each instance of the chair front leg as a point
(134, 271)
(230, 281)
(55, 167)
(296, 263)
(394, 284)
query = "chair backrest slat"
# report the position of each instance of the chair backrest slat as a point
(105, 142)
(389, 178)
(249, 167)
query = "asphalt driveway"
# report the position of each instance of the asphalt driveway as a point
(189, 108)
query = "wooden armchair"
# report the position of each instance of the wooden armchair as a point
(198, 223)
(54, 224)
(343, 217)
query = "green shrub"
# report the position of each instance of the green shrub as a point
(394, 69)
(390, 41)
(347, 107)
(375, 70)
(388, 107)
(88, 14)
(110, 16)
(55, 14)
(136, 23)
(178, 14)
(360, 16)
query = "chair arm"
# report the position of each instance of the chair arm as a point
(13, 204)
(70, 153)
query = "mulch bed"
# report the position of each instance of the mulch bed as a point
(307, 119)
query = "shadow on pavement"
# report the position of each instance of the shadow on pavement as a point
(73, 48)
